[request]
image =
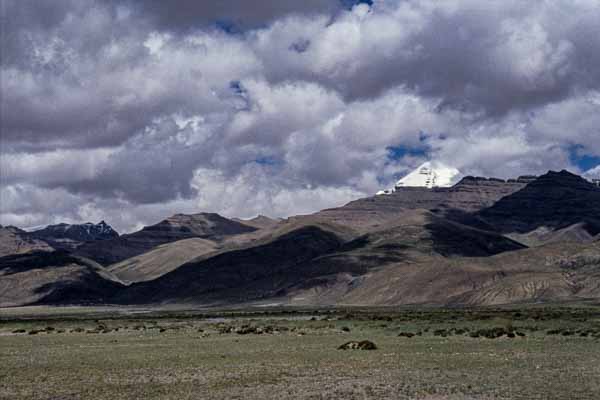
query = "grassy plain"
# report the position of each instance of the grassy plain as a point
(277, 354)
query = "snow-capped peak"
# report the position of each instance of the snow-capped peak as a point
(429, 174)
(80, 232)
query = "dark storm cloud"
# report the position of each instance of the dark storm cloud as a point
(184, 15)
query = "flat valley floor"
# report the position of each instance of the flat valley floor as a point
(81, 353)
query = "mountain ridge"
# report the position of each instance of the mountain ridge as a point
(483, 241)
(70, 236)
(209, 226)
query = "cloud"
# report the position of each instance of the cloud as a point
(492, 56)
(182, 15)
(280, 107)
(105, 98)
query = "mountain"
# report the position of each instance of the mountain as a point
(161, 260)
(207, 226)
(579, 232)
(458, 202)
(417, 245)
(556, 200)
(245, 273)
(550, 273)
(17, 241)
(70, 236)
(306, 254)
(429, 174)
(56, 277)
(259, 222)
(459, 245)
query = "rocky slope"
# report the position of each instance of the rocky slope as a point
(555, 200)
(463, 245)
(456, 202)
(16, 241)
(70, 236)
(56, 277)
(178, 227)
(161, 260)
(259, 222)
(304, 255)
(241, 274)
(580, 233)
(551, 273)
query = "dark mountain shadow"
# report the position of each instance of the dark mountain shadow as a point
(252, 267)
(55, 277)
(16, 263)
(555, 200)
(451, 240)
(89, 289)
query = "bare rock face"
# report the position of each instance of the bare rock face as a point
(555, 200)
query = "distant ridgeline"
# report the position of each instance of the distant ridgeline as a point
(453, 240)
(433, 174)
(520, 179)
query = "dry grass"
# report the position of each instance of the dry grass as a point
(185, 357)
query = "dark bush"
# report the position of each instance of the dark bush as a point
(492, 333)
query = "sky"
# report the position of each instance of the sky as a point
(131, 111)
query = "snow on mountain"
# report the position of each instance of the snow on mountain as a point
(429, 174)
(76, 233)
(593, 175)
